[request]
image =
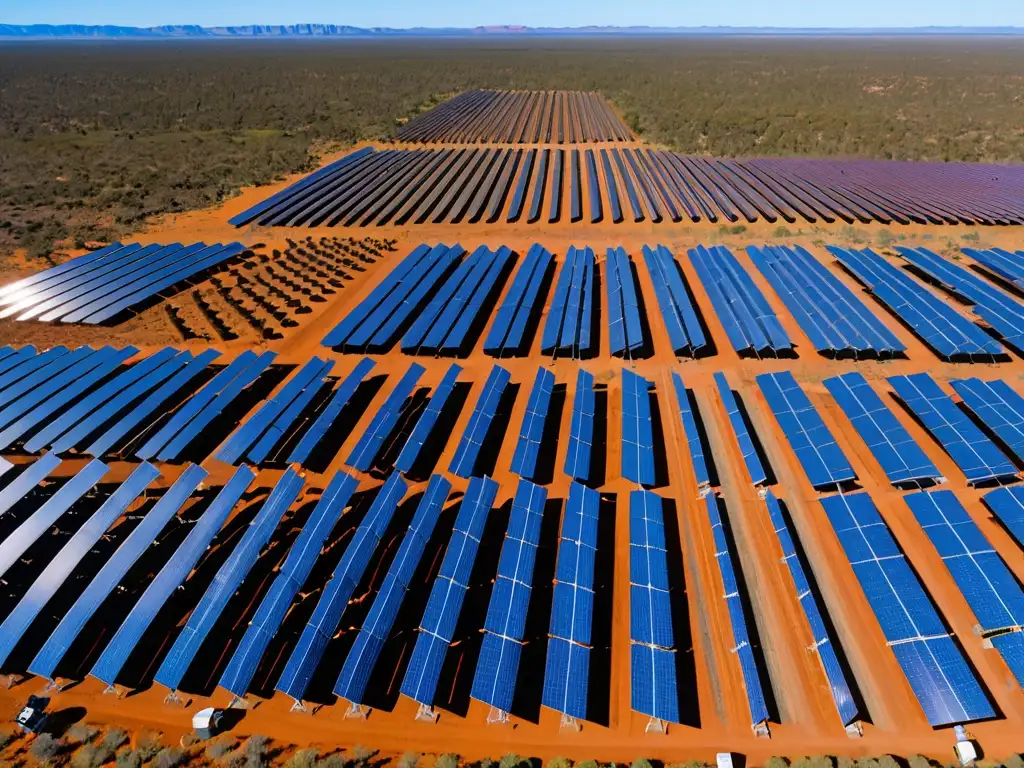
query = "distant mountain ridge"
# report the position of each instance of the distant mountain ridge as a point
(252, 31)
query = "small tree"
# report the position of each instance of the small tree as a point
(45, 747)
(304, 758)
(129, 759)
(409, 760)
(447, 760)
(511, 760)
(82, 733)
(216, 750)
(114, 738)
(641, 762)
(168, 757)
(256, 751)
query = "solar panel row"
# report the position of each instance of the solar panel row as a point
(731, 403)
(101, 285)
(468, 451)
(508, 333)
(1007, 504)
(568, 327)
(372, 440)
(626, 334)
(944, 684)
(330, 411)
(527, 453)
(941, 327)
(998, 407)
(581, 428)
(749, 321)
(674, 300)
(637, 430)
(833, 318)
(1007, 265)
(428, 420)
(694, 444)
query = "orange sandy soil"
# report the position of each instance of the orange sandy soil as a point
(809, 722)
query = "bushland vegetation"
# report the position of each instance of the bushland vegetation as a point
(97, 136)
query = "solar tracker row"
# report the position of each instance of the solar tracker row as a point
(833, 318)
(454, 185)
(899, 455)
(566, 673)
(498, 663)
(468, 451)
(290, 577)
(102, 285)
(355, 674)
(428, 420)
(943, 682)
(508, 334)
(1007, 265)
(1007, 504)
(637, 430)
(230, 575)
(46, 661)
(691, 432)
(652, 640)
(377, 321)
(749, 321)
(444, 326)
(326, 416)
(626, 334)
(731, 403)
(581, 428)
(674, 300)
(518, 117)
(978, 457)
(568, 326)
(441, 615)
(384, 421)
(1003, 314)
(998, 407)
(940, 326)
(527, 453)
(816, 449)
(846, 705)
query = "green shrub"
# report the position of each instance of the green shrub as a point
(168, 757)
(219, 749)
(304, 758)
(447, 760)
(781, 232)
(885, 238)
(588, 764)
(512, 760)
(559, 762)
(362, 755)
(971, 237)
(92, 756)
(45, 747)
(256, 751)
(82, 733)
(332, 761)
(409, 760)
(114, 738)
(642, 762)
(129, 759)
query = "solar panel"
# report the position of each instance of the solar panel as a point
(899, 455)
(637, 430)
(1005, 264)
(739, 427)
(302, 664)
(440, 617)
(693, 441)
(816, 449)
(40, 521)
(9, 291)
(653, 684)
(425, 425)
(998, 406)
(937, 672)
(170, 577)
(384, 421)
(509, 327)
(524, 460)
(486, 408)
(581, 428)
(977, 456)
(461, 282)
(1007, 504)
(289, 580)
(1011, 648)
(650, 607)
(230, 575)
(677, 309)
(625, 330)
(494, 681)
(339, 399)
(67, 559)
(37, 370)
(568, 323)
(355, 673)
(26, 480)
(846, 706)
(142, 536)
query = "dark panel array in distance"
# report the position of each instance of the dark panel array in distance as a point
(473, 184)
(835, 320)
(106, 283)
(940, 326)
(939, 675)
(518, 117)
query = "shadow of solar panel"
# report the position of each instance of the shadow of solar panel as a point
(935, 668)
(486, 408)
(339, 399)
(142, 536)
(899, 455)
(384, 421)
(978, 457)
(524, 460)
(425, 425)
(998, 406)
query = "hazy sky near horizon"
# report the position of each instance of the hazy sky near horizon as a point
(536, 13)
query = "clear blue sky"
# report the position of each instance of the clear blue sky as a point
(471, 13)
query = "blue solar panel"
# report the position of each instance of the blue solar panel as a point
(568, 324)
(649, 604)
(11, 291)
(27, 480)
(1008, 506)
(123, 425)
(557, 310)
(731, 404)
(509, 327)
(1011, 648)
(846, 706)
(976, 455)
(103, 583)
(935, 668)
(677, 310)
(581, 428)
(653, 685)
(302, 664)
(486, 408)
(39, 369)
(816, 449)
(462, 278)
(496, 671)
(573, 601)
(290, 578)
(637, 430)
(170, 577)
(524, 460)
(26, 534)
(16, 360)
(998, 406)
(625, 330)
(693, 441)
(351, 684)
(230, 576)
(446, 597)
(566, 678)
(425, 425)
(370, 443)
(1006, 264)
(70, 555)
(899, 455)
